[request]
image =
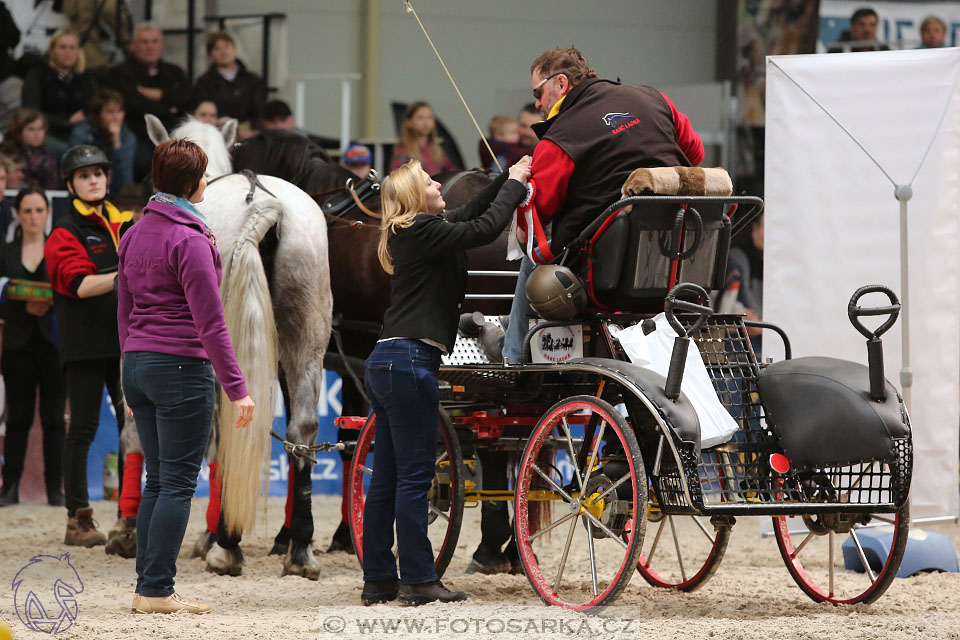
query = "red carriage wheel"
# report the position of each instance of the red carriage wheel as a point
(599, 506)
(815, 559)
(445, 497)
(665, 563)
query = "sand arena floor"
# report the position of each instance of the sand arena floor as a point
(751, 596)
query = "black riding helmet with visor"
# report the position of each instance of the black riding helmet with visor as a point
(79, 157)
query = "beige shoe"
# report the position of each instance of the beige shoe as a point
(170, 604)
(82, 530)
(136, 603)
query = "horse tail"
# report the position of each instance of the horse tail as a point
(244, 453)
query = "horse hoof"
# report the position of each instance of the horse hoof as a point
(203, 544)
(281, 544)
(224, 562)
(300, 561)
(122, 538)
(342, 540)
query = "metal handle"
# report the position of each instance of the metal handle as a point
(701, 307)
(855, 312)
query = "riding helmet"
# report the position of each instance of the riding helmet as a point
(80, 156)
(555, 292)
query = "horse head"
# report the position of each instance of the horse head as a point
(214, 141)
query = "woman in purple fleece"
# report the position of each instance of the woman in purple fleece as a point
(171, 329)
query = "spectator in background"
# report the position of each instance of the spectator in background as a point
(104, 127)
(528, 117)
(61, 89)
(277, 115)
(504, 136)
(13, 161)
(862, 33)
(104, 27)
(418, 141)
(26, 139)
(6, 211)
(11, 86)
(149, 85)
(743, 287)
(237, 92)
(358, 159)
(204, 111)
(933, 33)
(30, 362)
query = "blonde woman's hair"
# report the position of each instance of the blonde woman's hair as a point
(409, 139)
(403, 196)
(81, 65)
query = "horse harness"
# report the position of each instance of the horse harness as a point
(353, 194)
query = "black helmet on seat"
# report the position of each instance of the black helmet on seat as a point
(80, 156)
(555, 292)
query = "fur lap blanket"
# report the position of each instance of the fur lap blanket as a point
(678, 181)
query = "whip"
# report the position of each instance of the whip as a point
(409, 7)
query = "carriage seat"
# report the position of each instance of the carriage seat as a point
(679, 414)
(821, 410)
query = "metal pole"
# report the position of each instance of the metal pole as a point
(191, 28)
(344, 115)
(265, 56)
(300, 103)
(903, 193)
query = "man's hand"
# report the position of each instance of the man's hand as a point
(150, 93)
(245, 408)
(38, 308)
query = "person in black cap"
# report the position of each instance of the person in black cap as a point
(81, 256)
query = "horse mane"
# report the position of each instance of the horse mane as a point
(210, 140)
(291, 157)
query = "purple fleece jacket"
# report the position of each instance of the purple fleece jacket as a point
(169, 292)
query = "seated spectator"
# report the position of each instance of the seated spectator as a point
(104, 127)
(358, 159)
(12, 161)
(933, 33)
(504, 135)
(528, 117)
(418, 141)
(277, 115)
(149, 85)
(204, 111)
(742, 291)
(11, 85)
(106, 27)
(26, 138)
(237, 92)
(862, 34)
(6, 210)
(61, 89)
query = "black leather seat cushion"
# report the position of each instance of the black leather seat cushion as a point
(822, 411)
(679, 415)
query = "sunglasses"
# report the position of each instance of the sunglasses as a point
(537, 91)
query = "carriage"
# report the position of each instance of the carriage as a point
(610, 460)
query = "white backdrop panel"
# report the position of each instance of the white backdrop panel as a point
(832, 225)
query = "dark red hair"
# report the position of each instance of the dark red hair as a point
(178, 166)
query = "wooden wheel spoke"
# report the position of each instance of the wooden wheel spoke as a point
(802, 544)
(831, 536)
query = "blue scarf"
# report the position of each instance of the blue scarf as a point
(177, 201)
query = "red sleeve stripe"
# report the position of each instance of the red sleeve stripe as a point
(687, 138)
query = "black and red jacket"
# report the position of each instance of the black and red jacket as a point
(84, 243)
(602, 131)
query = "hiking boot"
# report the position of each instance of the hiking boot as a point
(169, 604)
(10, 494)
(55, 497)
(82, 530)
(488, 561)
(377, 591)
(417, 594)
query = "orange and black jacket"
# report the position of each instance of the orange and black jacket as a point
(84, 243)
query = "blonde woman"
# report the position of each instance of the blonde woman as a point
(61, 89)
(423, 249)
(418, 141)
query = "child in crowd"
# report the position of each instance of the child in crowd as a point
(504, 136)
(26, 139)
(358, 159)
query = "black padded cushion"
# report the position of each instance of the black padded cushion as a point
(822, 411)
(679, 415)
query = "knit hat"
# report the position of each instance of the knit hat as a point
(357, 154)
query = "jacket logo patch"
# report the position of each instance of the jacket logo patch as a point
(619, 122)
(95, 245)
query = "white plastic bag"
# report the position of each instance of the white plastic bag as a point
(653, 352)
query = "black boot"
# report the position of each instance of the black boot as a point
(10, 494)
(488, 561)
(55, 497)
(377, 591)
(417, 594)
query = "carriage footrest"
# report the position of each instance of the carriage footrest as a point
(350, 422)
(926, 551)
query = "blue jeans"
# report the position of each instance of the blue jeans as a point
(401, 381)
(172, 400)
(520, 312)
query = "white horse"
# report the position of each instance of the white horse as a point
(276, 296)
